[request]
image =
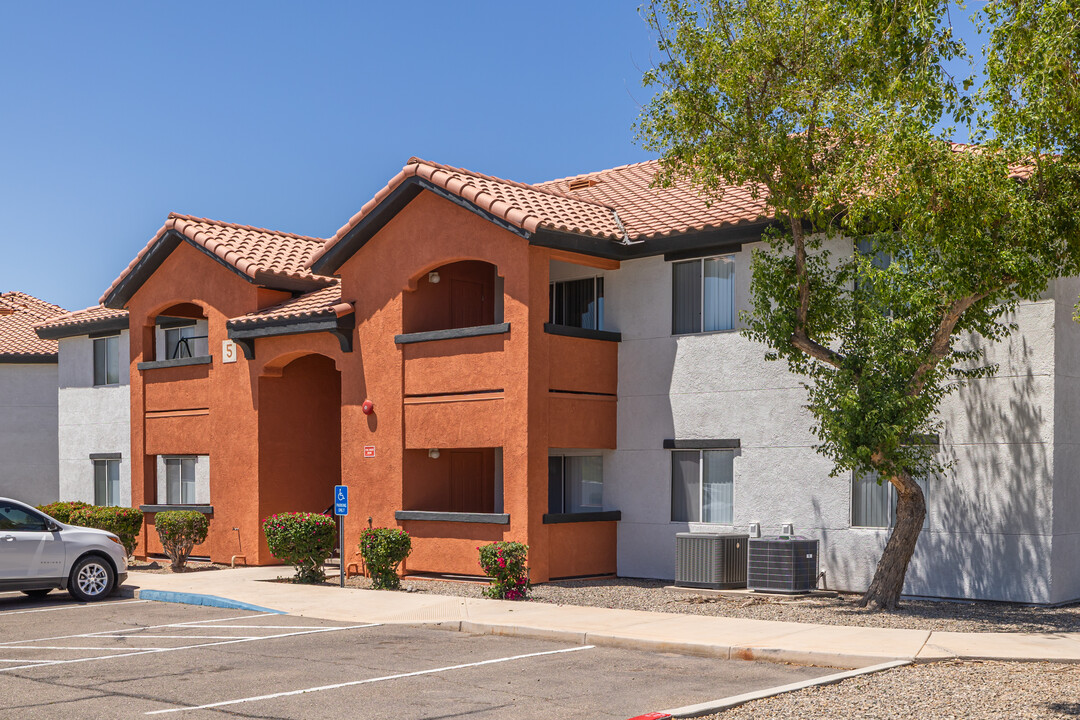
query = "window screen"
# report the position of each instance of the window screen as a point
(106, 482)
(575, 483)
(702, 486)
(180, 481)
(874, 505)
(703, 295)
(578, 303)
(107, 361)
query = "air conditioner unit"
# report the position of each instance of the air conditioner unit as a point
(710, 560)
(782, 565)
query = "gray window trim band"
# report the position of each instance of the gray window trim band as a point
(432, 516)
(714, 444)
(106, 456)
(176, 362)
(568, 331)
(204, 509)
(598, 516)
(496, 329)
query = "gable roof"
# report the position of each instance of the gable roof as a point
(612, 213)
(83, 322)
(19, 313)
(267, 257)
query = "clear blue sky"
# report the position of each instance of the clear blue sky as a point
(284, 115)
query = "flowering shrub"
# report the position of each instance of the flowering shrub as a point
(302, 539)
(61, 511)
(383, 549)
(180, 531)
(504, 563)
(124, 522)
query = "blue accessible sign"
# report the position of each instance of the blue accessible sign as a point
(341, 499)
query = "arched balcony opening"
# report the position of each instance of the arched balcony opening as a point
(181, 332)
(463, 294)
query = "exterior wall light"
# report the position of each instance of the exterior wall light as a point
(433, 277)
(433, 453)
(368, 407)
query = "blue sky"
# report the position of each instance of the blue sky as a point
(284, 115)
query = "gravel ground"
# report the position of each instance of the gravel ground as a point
(653, 595)
(163, 567)
(941, 691)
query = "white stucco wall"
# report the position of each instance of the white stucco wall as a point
(28, 435)
(92, 419)
(989, 527)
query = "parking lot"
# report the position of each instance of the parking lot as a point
(131, 658)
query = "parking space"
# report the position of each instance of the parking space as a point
(129, 658)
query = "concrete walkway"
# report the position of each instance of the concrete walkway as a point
(729, 638)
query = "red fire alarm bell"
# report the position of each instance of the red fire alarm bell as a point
(368, 407)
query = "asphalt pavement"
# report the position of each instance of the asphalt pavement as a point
(128, 658)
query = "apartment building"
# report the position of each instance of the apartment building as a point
(557, 364)
(28, 403)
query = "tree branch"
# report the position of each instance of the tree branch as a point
(800, 339)
(939, 342)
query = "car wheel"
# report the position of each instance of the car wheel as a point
(92, 578)
(37, 593)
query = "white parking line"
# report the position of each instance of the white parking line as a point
(181, 637)
(186, 647)
(371, 680)
(264, 627)
(137, 629)
(67, 647)
(81, 606)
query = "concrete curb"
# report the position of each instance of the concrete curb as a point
(714, 706)
(184, 598)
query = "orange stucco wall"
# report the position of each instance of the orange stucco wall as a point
(282, 428)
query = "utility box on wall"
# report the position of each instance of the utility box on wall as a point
(709, 560)
(782, 565)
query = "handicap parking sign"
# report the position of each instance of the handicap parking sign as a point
(341, 499)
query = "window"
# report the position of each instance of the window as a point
(702, 486)
(577, 303)
(179, 481)
(107, 361)
(874, 505)
(106, 482)
(14, 518)
(185, 342)
(575, 483)
(703, 295)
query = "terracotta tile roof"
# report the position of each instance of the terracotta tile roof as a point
(260, 254)
(325, 302)
(19, 313)
(70, 323)
(528, 207)
(648, 212)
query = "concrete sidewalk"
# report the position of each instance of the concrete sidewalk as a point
(729, 638)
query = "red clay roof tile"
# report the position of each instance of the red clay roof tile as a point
(257, 253)
(19, 313)
(77, 318)
(325, 302)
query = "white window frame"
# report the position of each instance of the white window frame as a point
(701, 294)
(701, 485)
(112, 358)
(111, 498)
(562, 455)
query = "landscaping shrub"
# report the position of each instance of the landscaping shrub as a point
(383, 549)
(304, 540)
(504, 563)
(180, 531)
(124, 522)
(61, 511)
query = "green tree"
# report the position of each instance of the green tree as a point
(832, 112)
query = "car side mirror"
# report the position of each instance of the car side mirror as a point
(52, 527)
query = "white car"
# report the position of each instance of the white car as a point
(39, 554)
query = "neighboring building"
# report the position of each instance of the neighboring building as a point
(557, 364)
(94, 405)
(28, 411)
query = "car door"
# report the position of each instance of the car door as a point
(28, 549)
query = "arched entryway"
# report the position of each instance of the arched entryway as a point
(299, 435)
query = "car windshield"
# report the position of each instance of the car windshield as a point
(13, 517)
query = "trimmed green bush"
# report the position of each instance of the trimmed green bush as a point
(61, 511)
(383, 550)
(124, 522)
(504, 563)
(304, 540)
(180, 531)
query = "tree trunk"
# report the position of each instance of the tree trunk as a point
(884, 590)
